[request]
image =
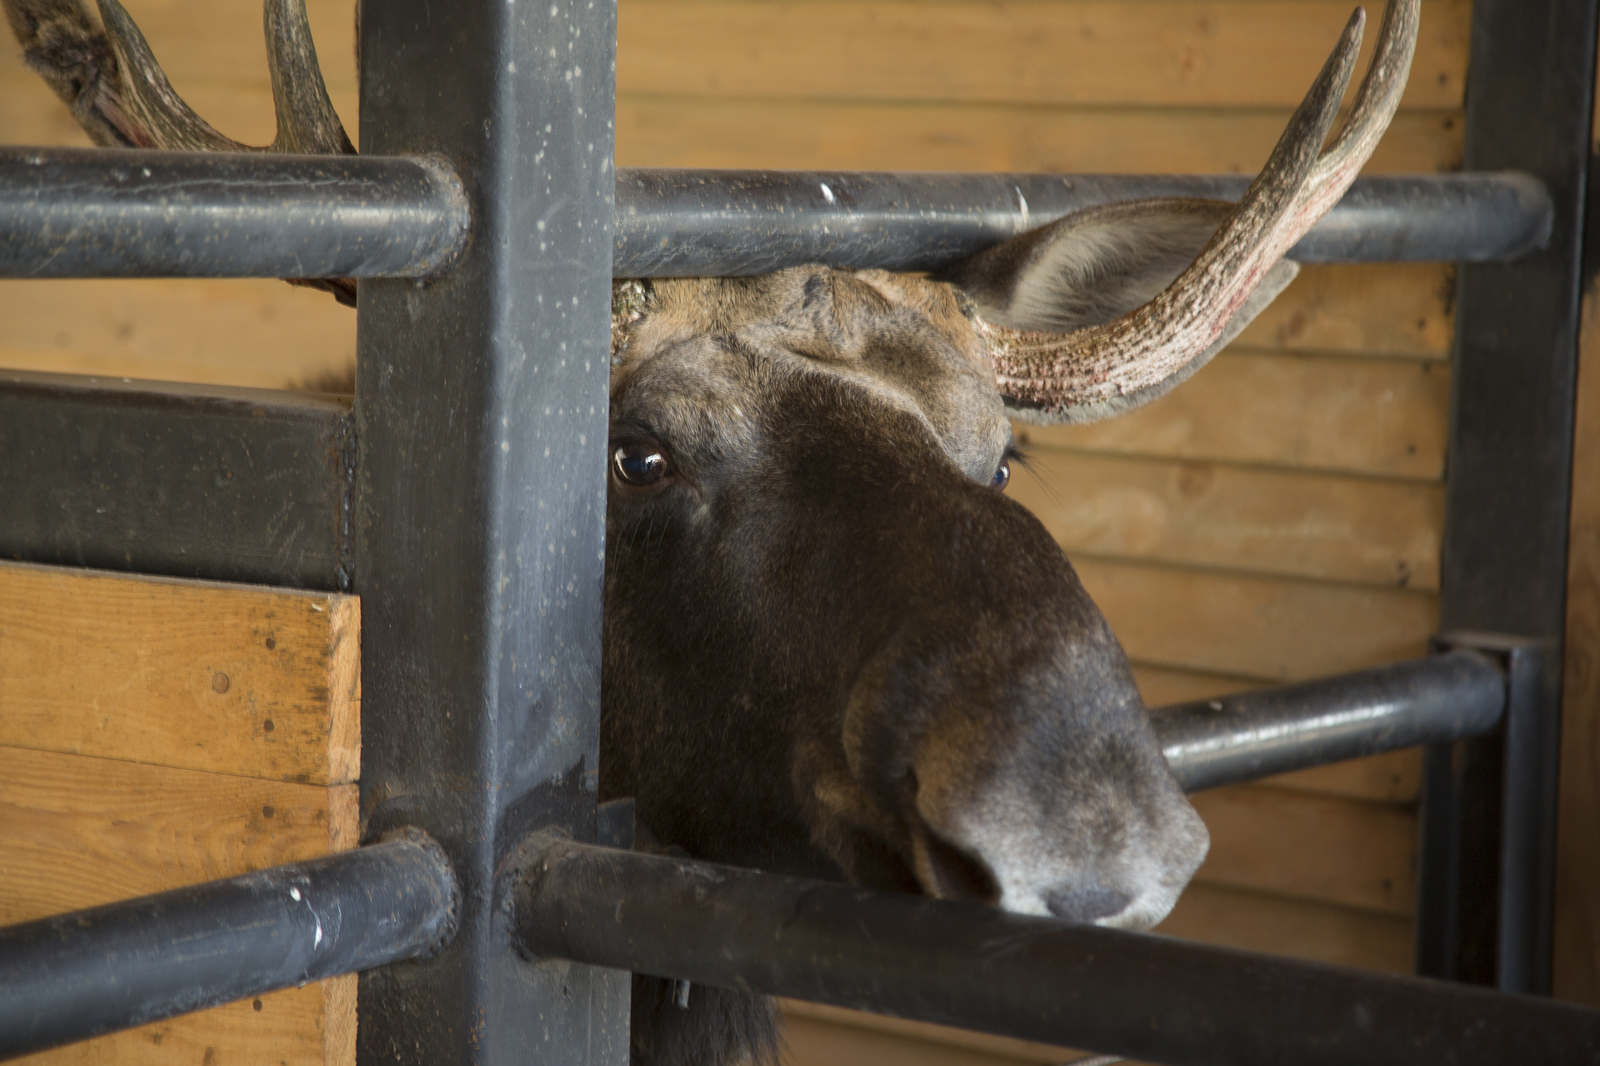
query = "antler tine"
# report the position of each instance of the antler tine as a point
(159, 117)
(1093, 372)
(1098, 364)
(307, 121)
(1376, 101)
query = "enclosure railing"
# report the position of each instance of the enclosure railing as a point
(480, 97)
(79, 975)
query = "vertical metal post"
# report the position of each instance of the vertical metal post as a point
(481, 414)
(1529, 95)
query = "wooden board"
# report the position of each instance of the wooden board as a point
(190, 330)
(1232, 53)
(820, 1035)
(1310, 847)
(238, 679)
(1222, 516)
(1381, 418)
(1160, 53)
(256, 333)
(1270, 629)
(1272, 924)
(77, 831)
(948, 134)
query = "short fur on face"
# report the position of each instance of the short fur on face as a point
(831, 647)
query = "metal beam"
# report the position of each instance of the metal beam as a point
(182, 480)
(113, 213)
(94, 971)
(684, 223)
(75, 212)
(1145, 997)
(1504, 554)
(1250, 735)
(481, 409)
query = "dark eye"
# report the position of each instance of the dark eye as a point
(1002, 477)
(641, 464)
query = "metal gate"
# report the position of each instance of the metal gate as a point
(460, 501)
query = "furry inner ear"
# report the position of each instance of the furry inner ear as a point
(1089, 267)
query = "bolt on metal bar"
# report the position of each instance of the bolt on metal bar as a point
(67, 212)
(95, 971)
(1292, 727)
(1145, 997)
(90, 212)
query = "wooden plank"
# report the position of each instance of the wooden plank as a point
(1385, 418)
(1257, 922)
(1310, 847)
(1390, 309)
(1233, 53)
(690, 131)
(1357, 530)
(77, 831)
(833, 1036)
(1362, 415)
(237, 679)
(1222, 53)
(250, 332)
(1270, 629)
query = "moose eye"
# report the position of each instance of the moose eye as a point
(639, 464)
(1002, 476)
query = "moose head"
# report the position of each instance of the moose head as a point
(833, 647)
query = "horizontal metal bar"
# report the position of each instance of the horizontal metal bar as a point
(1145, 997)
(181, 480)
(67, 212)
(92, 212)
(726, 222)
(96, 971)
(1272, 731)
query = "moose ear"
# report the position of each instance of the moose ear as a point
(1098, 265)
(1090, 267)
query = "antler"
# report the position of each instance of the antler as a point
(121, 97)
(1079, 376)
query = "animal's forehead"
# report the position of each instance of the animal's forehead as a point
(707, 350)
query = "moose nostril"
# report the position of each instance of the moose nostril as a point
(1087, 903)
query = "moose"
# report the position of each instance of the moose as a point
(832, 646)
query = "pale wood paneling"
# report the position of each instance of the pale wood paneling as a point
(1222, 53)
(1272, 629)
(827, 134)
(1310, 848)
(1355, 415)
(77, 831)
(1345, 374)
(1214, 515)
(243, 680)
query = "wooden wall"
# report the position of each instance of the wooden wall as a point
(157, 733)
(1276, 518)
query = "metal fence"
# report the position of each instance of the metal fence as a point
(484, 851)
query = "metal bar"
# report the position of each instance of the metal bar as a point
(1504, 554)
(481, 409)
(94, 971)
(182, 480)
(1145, 997)
(1272, 731)
(70, 212)
(722, 222)
(93, 212)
